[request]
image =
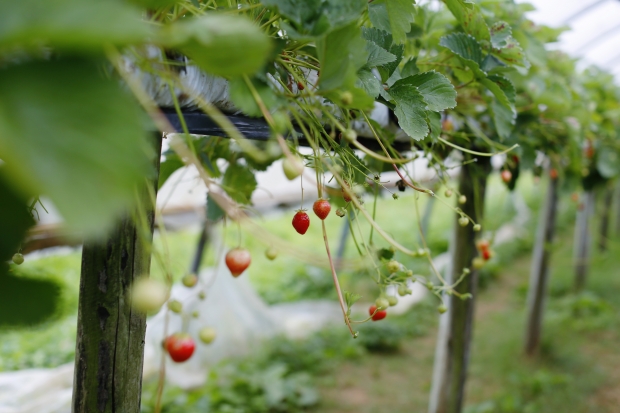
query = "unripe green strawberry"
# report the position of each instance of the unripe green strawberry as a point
(392, 300)
(442, 309)
(382, 303)
(207, 335)
(190, 280)
(292, 167)
(148, 295)
(271, 253)
(477, 263)
(175, 306)
(346, 98)
(18, 258)
(349, 135)
(462, 199)
(463, 221)
(393, 266)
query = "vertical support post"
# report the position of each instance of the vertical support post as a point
(200, 247)
(110, 335)
(539, 274)
(582, 241)
(456, 325)
(605, 215)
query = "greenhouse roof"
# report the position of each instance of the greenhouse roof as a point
(594, 34)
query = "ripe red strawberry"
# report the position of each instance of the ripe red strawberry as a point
(553, 173)
(378, 315)
(506, 176)
(237, 260)
(486, 254)
(321, 208)
(483, 244)
(301, 222)
(180, 346)
(300, 86)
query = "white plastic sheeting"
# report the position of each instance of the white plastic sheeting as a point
(594, 32)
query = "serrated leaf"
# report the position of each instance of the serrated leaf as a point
(607, 163)
(340, 13)
(316, 17)
(69, 24)
(384, 40)
(438, 92)
(75, 136)
(243, 99)
(351, 298)
(512, 54)
(341, 54)
(490, 62)
(502, 89)
(303, 13)
(14, 219)
(377, 56)
(377, 13)
(469, 17)
(503, 118)
(401, 14)
(220, 44)
(214, 211)
(167, 168)
(368, 82)
(500, 33)
(433, 119)
(467, 48)
(410, 111)
(239, 182)
(410, 68)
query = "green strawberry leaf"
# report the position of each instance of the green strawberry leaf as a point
(467, 48)
(438, 92)
(468, 14)
(410, 110)
(401, 14)
(239, 182)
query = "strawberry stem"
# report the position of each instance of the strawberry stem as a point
(336, 283)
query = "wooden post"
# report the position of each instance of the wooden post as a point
(582, 240)
(110, 335)
(605, 215)
(539, 274)
(456, 325)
